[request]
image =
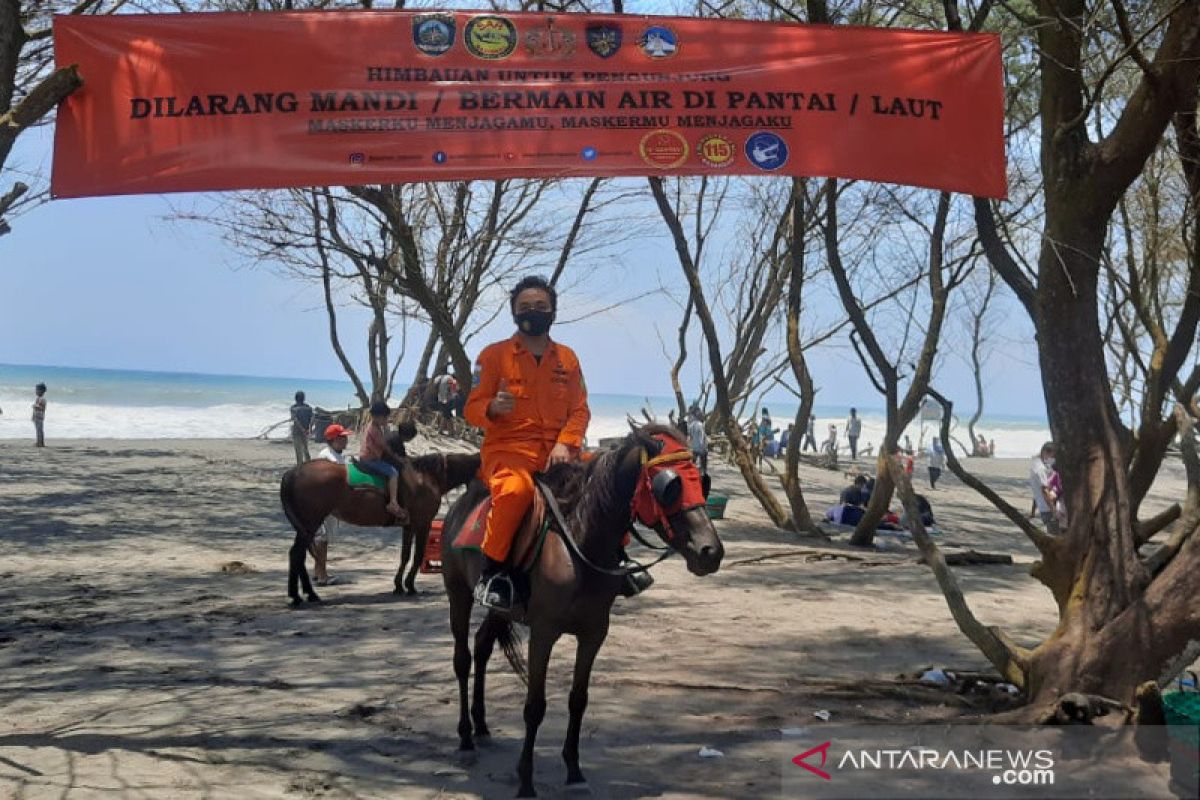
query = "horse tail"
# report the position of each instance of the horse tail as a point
(288, 501)
(514, 648)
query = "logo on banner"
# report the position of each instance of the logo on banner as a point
(433, 34)
(440, 157)
(659, 41)
(490, 37)
(588, 153)
(767, 150)
(358, 159)
(664, 149)
(716, 151)
(604, 40)
(550, 41)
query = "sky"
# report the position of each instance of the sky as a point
(114, 283)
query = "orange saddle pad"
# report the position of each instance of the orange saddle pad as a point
(527, 543)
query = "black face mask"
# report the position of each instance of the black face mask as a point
(534, 323)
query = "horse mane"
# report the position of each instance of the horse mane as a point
(588, 492)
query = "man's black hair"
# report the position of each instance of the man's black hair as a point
(532, 282)
(299, 397)
(860, 480)
(41, 387)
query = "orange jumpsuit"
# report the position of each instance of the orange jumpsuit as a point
(550, 406)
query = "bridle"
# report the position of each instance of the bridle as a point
(664, 477)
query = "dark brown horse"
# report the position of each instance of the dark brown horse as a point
(313, 491)
(572, 588)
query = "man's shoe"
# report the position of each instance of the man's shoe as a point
(495, 592)
(494, 589)
(635, 582)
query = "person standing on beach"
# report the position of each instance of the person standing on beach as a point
(336, 438)
(529, 397)
(1039, 486)
(853, 430)
(39, 414)
(698, 439)
(302, 417)
(810, 436)
(937, 461)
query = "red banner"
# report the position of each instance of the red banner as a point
(190, 102)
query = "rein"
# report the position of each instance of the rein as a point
(564, 533)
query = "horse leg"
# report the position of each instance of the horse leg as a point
(422, 537)
(305, 583)
(405, 551)
(585, 656)
(460, 625)
(485, 638)
(541, 643)
(298, 573)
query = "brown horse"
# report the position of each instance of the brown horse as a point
(572, 587)
(317, 489)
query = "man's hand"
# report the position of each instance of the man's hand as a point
(561, 454)
(503, 403)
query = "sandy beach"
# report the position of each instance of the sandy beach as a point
(136, 662)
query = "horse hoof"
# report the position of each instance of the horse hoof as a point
(297, 602)
(467, 755)
(398, 590)
(578, 787)
(412, 591)
(312, 598)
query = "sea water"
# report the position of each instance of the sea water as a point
(127, 404)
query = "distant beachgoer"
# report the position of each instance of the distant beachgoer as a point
(335, 450)
(937, 461)
(981, 446)
(374, 447)
(1039, 486)
(992, 448)
(855, 494)
(903, 458)
(908, 446)
(39, 414)
(810, 435)
(830, 445)
(785, 438)
(853, 429)
(924, 509)
(698, 440)
(302, 418)
(446, 387)
(766, 436)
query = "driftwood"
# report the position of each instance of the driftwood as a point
(969, 557)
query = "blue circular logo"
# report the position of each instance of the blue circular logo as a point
(440, 157)
(767, 150)
(589, 153)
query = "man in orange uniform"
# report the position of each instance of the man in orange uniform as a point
(529, 397)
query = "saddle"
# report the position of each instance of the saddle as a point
(527, 541)
(358, 475)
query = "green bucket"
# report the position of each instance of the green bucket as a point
(716, 505)
(1183, 728)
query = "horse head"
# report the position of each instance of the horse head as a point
(670, 498)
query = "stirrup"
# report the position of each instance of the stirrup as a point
(495, 592)
(635, 583)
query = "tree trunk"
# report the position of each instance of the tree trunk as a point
(738, 446)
